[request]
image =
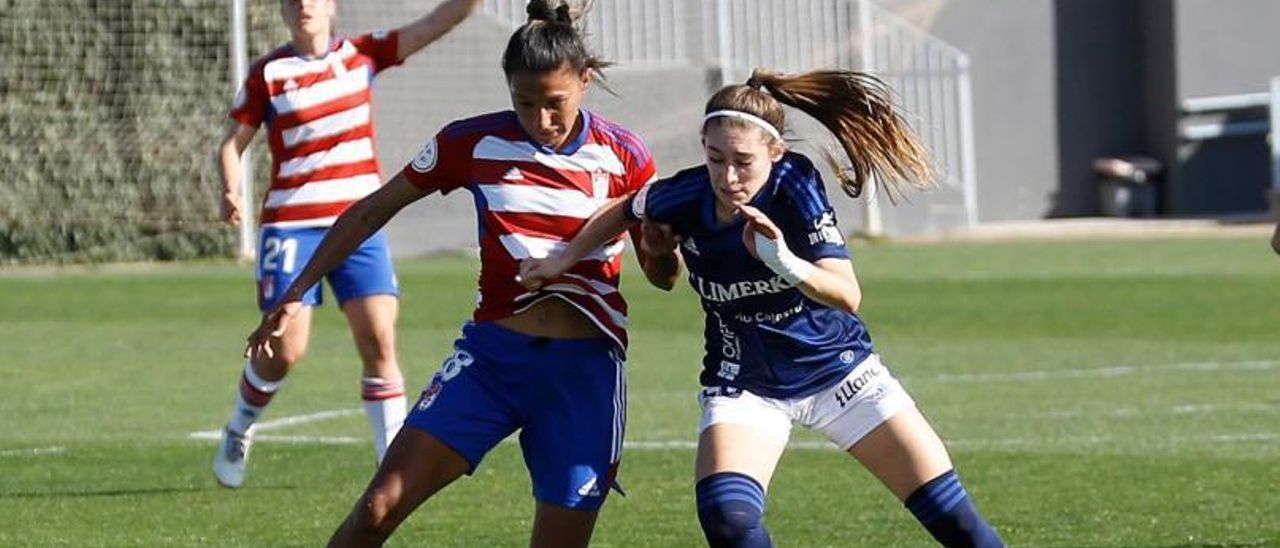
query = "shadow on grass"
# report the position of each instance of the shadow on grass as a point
(88, 493)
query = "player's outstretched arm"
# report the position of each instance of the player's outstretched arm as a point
(829, 281)
(352, 228)
(432, 26)
(605, 224)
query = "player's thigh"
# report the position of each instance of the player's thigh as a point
(367, 272)
(372, 320)
(740, 432)
(556, 526)
(416, 466)
(903, 452)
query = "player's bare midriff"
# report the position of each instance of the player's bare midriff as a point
(552, 318)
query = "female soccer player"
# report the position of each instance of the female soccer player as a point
(547, 363)
(783, 342)
(314, 95)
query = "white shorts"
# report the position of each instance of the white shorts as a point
(846, 412)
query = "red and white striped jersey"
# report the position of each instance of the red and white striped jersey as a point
(531, 200)
(320, 126)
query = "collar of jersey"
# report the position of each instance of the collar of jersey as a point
(573, 145)
(334, 42)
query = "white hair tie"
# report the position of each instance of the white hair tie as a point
(751, 118)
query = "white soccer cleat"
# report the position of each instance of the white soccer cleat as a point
(229, 461)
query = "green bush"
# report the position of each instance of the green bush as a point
(112, 112)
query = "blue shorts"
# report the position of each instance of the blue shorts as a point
(283, 252)
(567, 398)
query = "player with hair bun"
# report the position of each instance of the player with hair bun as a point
(784, 344)
(315, 95)
(546, 363)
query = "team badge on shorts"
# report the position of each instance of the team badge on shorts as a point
(267, 287)
(429, 393)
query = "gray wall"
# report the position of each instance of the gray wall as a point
(1223, 47)
(1099, 89)
(1011, 48)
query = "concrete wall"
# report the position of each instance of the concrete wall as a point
(1099, 92)
(1011, 48)
(1223, 47)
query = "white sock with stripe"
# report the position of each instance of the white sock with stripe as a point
(385, 405)
(252, 397)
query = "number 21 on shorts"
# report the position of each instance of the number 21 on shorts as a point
(279, 254)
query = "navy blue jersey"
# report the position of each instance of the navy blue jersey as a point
(762, 334)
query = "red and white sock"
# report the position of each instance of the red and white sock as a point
(385, 404)
(254, 395)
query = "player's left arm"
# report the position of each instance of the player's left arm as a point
(430, 27)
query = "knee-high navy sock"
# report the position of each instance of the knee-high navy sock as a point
(944, 508)
(730, 507)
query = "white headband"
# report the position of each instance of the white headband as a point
(765, 125)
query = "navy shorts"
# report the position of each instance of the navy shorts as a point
(283, 252)
(566, 397)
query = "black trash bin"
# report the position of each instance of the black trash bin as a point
(1127, 186)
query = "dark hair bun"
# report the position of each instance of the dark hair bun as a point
(542, 10)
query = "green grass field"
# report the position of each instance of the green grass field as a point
(1093, 394)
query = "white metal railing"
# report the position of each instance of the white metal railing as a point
(1196, 128)
(628, 32)
(934, 84)
(931, 77)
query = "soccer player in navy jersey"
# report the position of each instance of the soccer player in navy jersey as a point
(784, 344)
(547, 362)
(314, 95)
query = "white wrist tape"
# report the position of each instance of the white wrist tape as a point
(778, 258)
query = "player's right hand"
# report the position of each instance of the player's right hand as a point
(230, 207)
(536, 272)
(657, 239)
(273, 325)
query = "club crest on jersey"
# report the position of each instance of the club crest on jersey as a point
(599, 184)
(426, 160)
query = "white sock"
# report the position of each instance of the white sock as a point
(385, 404)
(252, 397)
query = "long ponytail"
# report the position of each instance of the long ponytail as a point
(855, 107)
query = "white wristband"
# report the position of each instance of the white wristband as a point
(778, 258)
